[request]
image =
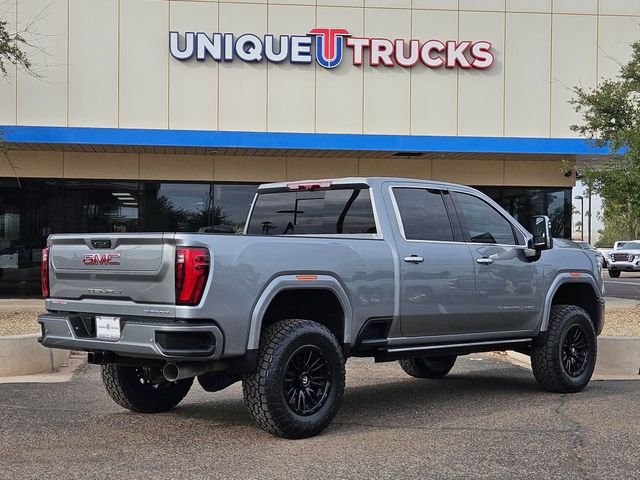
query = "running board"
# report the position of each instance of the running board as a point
(412, 351)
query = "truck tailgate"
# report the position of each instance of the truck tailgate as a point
(110, 272)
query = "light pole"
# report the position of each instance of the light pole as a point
(589, 219)
(581, 198)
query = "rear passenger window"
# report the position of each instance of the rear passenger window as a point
(423, 214)
(482, 222)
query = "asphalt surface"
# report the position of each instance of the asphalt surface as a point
(625, 286)
(487, 420)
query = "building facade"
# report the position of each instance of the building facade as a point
(158, 115)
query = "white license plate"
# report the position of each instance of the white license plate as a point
(108, 328)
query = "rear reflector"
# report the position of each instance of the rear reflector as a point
(192, 270)
(306, 277)
(44, 273)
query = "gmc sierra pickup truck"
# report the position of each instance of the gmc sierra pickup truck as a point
(395, 269)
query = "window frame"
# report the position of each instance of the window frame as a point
(454, 221)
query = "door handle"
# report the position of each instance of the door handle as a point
(414, 259)
(484, 261)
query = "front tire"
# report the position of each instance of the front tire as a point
(564, 358)
(614, 273)
(297, 387)
(143, 390)
(428, 367)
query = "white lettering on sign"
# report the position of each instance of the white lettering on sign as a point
(330, 47)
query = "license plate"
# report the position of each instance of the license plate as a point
(108, 328)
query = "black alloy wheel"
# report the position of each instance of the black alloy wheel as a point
(564, 356)
(307, 380)
(575, 351)
(297, 386)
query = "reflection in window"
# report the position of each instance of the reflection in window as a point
(525, 203)
(340, 211)
(101, 207)
(424, 216)
(175, 207)
(231, 204)
(483, 222)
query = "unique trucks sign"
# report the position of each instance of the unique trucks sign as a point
(328, 46)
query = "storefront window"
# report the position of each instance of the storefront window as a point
(103, 207)
(32, 209)
(231, 203)
(175, 207)
(29, 212)
(524, 203)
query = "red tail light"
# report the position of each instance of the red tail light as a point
(192, 270)
(44, 273)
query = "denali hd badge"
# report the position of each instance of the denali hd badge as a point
(101, 259)
(330, 44)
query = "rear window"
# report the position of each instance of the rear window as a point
(324, 212)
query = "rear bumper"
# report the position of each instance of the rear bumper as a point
(161, 341)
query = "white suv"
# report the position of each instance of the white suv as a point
(624, 258)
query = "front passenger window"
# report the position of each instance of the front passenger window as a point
(482, 222)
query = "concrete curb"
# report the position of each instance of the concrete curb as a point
(23, 355)
(618, 359)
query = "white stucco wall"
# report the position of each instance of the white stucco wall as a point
(106, 63)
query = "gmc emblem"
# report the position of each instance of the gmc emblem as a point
(101, 259)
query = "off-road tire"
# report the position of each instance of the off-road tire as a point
(547, 351)
(124, 386)
(264, 390)
(614, 273)
(428, 367)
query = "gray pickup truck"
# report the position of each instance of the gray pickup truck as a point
(395, 269)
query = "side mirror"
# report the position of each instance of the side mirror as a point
(542, 239)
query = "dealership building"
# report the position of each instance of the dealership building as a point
(157, 115)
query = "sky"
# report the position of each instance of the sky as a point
(596, 206)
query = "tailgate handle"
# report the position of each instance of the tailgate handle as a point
(101, 243)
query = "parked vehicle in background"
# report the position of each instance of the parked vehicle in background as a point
(625, 259)
(619, 244)
(606, 253)
(587, 246)
(399, 270)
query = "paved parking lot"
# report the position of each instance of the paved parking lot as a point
(487, 420)
(625, 286)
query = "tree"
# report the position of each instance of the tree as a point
(611, 118)
(11, 53)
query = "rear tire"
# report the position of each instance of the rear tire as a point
(564, 357)
(614, 273)
(143, 390)
(297, 387)
(428, 367)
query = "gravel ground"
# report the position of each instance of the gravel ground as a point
(622, 322)
(18, 323)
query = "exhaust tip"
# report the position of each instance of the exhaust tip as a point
(171, 372)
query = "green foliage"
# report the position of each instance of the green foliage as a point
(11, 53)
(11, 50)
(611, 117)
